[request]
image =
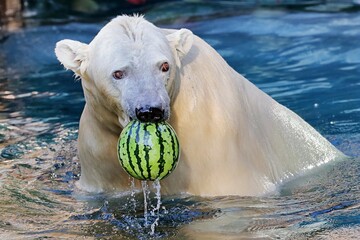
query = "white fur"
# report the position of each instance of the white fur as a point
(235, 139)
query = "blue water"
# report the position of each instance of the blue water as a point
(307, 59)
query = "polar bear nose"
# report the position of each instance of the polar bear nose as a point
(149, 114)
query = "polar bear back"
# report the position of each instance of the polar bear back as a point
(231, 130)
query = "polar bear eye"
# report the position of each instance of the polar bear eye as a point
(118, 75)
(164, 67)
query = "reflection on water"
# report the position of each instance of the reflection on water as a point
(308, 61)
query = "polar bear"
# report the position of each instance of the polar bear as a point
(235, 139)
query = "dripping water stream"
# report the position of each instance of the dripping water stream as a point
(151, 212)
(156, 210)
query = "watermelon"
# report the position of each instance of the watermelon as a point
(148, 151)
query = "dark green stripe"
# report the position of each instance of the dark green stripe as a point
(123, 153)
(161, 160)
(137, 152)
(128, 149)
(175, 147)
(119, 150)
(147, 149)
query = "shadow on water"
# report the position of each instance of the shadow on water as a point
(305, 55)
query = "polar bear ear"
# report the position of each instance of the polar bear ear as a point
(182, 41)
(72, 54)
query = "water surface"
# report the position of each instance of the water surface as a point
(307, 60)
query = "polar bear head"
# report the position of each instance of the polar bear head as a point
(129, 69)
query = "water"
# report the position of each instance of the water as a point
(306, 58)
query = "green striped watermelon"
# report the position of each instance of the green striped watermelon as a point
(148, 151)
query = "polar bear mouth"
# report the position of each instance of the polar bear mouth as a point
(150, 114)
